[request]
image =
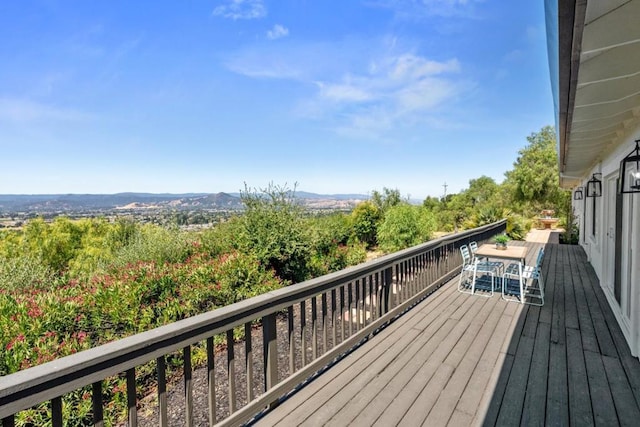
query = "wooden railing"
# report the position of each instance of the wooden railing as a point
(318, 321)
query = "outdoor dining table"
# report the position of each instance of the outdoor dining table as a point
(511, 253)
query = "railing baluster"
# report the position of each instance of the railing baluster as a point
(388, 283)
(341, 313)
(334, 334)
(292, 340)
(162, 391)
(303, 332)
(407, 279)
(398, 285)
(372, 297)
(349, 309)
(402, 268)
(248, 360)
(363, 304)
(375, 296)
(231, 371)
(413, 267)
(96, 403)
(132, 409)
(188, 386)
(56, 412)
(325, 322)
(314, 327)
(211, 381)
(358, 305)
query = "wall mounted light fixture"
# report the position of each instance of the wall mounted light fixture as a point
(594, 186)
(577, 194)
(630, 172)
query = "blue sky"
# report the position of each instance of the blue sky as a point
(202, 96)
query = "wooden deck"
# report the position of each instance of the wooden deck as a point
(458, 360)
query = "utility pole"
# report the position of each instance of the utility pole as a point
(445, 189)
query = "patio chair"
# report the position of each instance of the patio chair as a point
(531, 286)
(499, 265)
(472, 268)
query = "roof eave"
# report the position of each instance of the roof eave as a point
(571, 19)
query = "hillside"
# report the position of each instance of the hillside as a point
(47, 203)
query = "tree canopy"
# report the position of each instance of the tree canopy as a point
(533, 181)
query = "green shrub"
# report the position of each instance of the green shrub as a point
(338, 258)
(222, 238)
(404, 226)
(327, 231)
(154, 243)
(517, 226)
(273, 230)
(24, 272)
(366, 217)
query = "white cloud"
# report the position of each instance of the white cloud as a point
(407, 82)
(241, 9)
(269, 67)
(344, 92)
(397, 91)
(358, 91)
(277, 32)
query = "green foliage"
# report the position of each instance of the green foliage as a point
(153, 243)
(366, 217)
(221, 239)
(387, 199)
(517, 226)
(328, 231)
(337, 258)
(25, 272)
(40, 325)
(532, 185)
(501, 239)
(571, 235)
(273, 229)
(431, 203)
(455, 210)
(534, 178)
(405, 225)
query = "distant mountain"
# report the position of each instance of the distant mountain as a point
(307, 195)
(51, 203)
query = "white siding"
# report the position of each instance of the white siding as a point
(597, 247)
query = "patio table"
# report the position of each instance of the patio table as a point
(512, 253)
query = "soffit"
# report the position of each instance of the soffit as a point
(605, 98)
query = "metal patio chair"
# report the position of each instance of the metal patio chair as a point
(471, 268)
(531, 286)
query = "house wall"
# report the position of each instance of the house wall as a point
(599, 246)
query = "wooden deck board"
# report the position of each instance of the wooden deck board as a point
(579, 400)
(458, 359)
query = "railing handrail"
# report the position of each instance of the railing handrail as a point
(23, 389)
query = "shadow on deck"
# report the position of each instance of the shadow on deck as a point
(457, 359)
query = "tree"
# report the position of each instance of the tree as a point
(431, 203)
(534, 178)
(273, 229)
(482, 191)
(387, 199)
(366, 217)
